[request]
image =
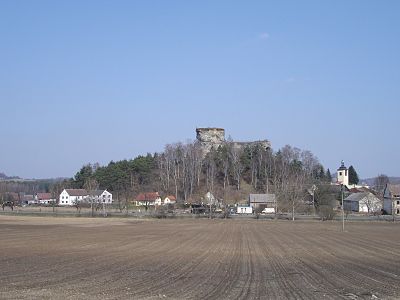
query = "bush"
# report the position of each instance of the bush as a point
(226, 213)
(326, 212)
(163, 212)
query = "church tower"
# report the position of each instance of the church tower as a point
(343, 175)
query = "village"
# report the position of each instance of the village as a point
(357, 200)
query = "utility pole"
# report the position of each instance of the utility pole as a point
(313, 189)
(341, 191)
(209, 200)
(393, 209)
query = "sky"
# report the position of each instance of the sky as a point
(95, 81)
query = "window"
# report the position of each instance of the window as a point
(62, 201)
(63, 198)
(398, 202)
(104, 200)
(66, 197)
(109, 196)
(340, 173)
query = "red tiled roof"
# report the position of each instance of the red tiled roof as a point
(43, 196)
(172, 198)
(147, 196)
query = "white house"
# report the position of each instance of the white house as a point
(170, 200)
(209, 198)
(263, 200)
(101, 196)
(158, 201)
(244, 210)
(391, 199)
(44, 198)
(72, 196)
(365, 202)
(29, 199)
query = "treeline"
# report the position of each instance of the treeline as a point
(230, 172)
(30, 187)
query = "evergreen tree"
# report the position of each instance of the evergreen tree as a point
(328, 176)
(353, 176)
(81, 177)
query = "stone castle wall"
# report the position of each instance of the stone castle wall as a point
(212, 137)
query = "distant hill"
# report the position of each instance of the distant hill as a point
(370, 181)
(5, 177)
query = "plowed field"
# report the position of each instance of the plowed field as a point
(67, 258)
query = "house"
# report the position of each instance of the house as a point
(28, 199)
(244, 209)
(365, 202)
(209, 198)
(262, 201)
(169, 200)
(148, 199)
(192, 200)
(45, 198)
(391, 199)
(101, 196)
(72, 196)
(158, 201)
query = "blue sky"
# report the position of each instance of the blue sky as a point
(94, 81)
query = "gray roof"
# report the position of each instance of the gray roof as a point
(262, 198)
(358, 196)
(76, 192)
(96, 192)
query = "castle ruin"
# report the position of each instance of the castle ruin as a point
(211, 138)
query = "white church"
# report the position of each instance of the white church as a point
(343, 175)
(343, 178)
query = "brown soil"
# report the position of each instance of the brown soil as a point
(76, 258)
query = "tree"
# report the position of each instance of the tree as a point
(82, 176)
(91, 185)
(380, 183)
(328, 176)
(55, 191)
(237, 166)
(353, 176)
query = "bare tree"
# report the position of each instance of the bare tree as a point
(373, 203)
(237, 166)
(211, 170)
(380, 183)
(55, 191)
(91, 185)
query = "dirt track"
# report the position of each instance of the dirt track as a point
(59, 258)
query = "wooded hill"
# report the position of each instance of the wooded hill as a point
(183, 170)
